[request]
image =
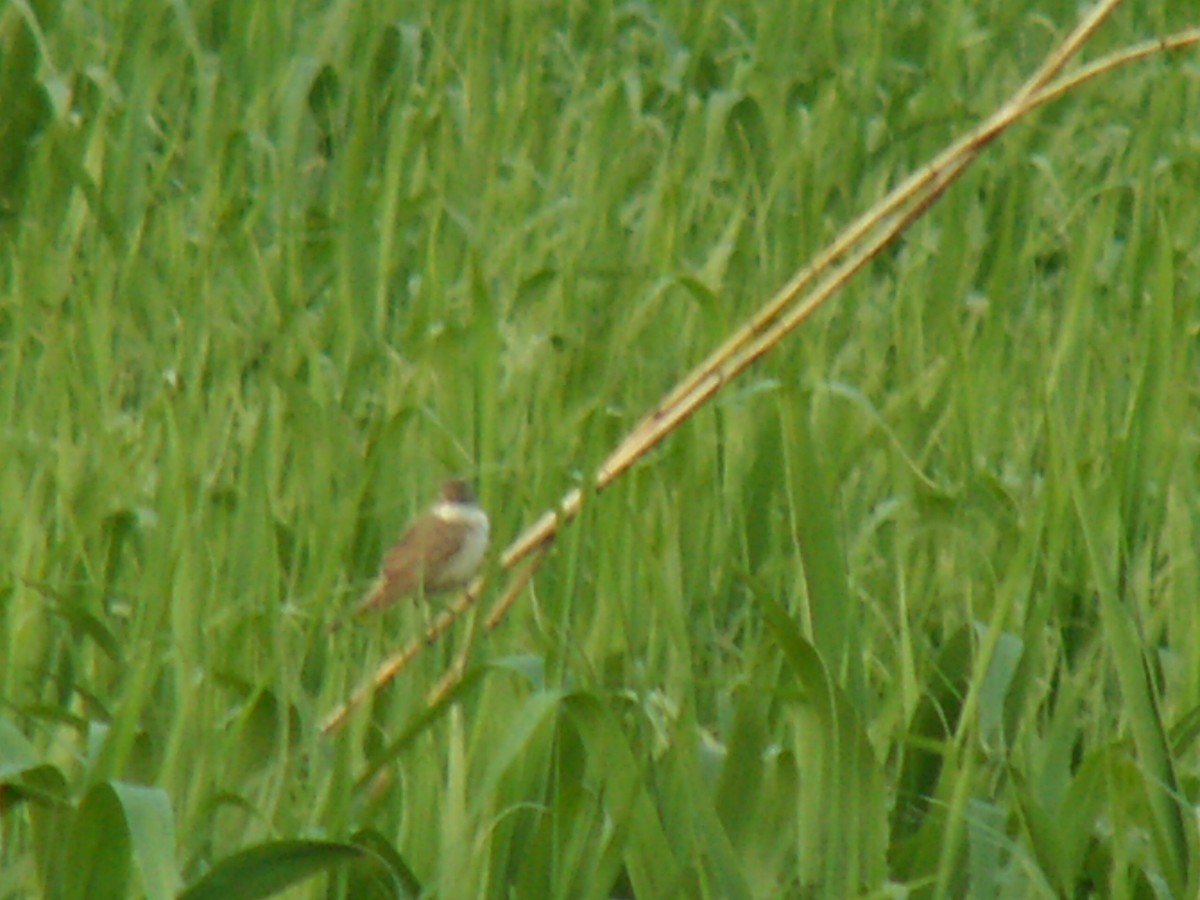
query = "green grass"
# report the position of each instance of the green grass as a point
(909, 610)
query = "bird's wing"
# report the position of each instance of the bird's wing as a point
(423, 548)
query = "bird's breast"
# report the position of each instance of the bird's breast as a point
(462, 566)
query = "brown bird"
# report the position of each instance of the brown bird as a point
(441, 550)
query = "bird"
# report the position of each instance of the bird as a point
(441, 550)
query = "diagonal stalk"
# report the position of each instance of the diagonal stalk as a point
(806, 292)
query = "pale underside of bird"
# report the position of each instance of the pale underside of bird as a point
(441, 551)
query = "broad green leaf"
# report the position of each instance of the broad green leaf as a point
(151, 824)
(269, 868)
(100, 860)
(391, 877)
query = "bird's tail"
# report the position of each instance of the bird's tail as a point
(377, 597)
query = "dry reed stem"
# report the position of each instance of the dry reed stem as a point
(770, 325)
(396, 663)
(871, 219)
(454, 674)
(871, 233)
(392, 666)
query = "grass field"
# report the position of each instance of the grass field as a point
(912, 609)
